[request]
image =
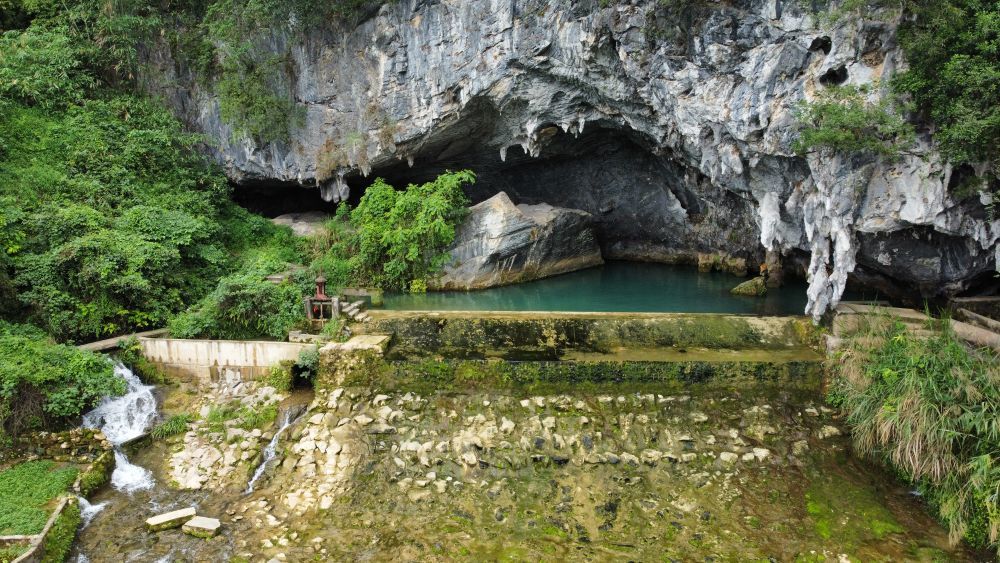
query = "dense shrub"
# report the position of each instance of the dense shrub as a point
(929, 407)
(116, 220)
(403, 236)
(245, 305)
(42, 384)
(844, 119)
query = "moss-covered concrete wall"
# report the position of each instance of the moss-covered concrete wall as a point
(523, 336)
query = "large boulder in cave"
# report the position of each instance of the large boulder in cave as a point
(501, 243)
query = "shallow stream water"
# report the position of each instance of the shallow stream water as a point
(512, 475)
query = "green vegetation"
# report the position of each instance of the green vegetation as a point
(244, 304)
(307, 363)
(953, 80)
(403, 236)
(280, 377)
(930, 408)
(229, 44)
(43, 384)
(844, 119)
(60, 538)
(26, 494)
(130, 354)
(176, 424)
(241, 416)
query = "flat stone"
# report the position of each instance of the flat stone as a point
(170, 520)
(202, 527)
(828, 432)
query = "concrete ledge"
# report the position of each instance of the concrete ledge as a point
(552, 335)
(208, 360)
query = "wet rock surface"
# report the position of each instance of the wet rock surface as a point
(500, 243)
(600, 473)
(220, 453)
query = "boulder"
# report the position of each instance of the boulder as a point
(303, 224)
(756, 287)
(202, 527)
(170, 520)
(500, 243)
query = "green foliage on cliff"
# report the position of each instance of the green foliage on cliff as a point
(953, 48)
(43, 384)
(844, 119)
(930, 408)
(403, 236)
(951, 84)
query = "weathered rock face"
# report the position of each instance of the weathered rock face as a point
(501, 243)
(676, 135)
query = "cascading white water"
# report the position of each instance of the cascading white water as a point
(272, 447)
(122, 419)
(88, 511)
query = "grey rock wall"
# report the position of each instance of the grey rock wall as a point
(675, 134)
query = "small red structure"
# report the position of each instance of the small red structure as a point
(319, 307)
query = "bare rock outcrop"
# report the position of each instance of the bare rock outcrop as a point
(501, 243)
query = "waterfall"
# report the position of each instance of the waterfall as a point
(88, 511)
(291, 415)
(122, 419)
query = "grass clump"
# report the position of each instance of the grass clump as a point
(173, 426)
(930, 408)
(26, 491)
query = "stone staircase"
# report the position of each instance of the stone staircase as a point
(851, 318)
(355, 311)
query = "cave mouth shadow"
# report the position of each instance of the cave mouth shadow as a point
(633, 193)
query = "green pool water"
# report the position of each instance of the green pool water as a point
(616, 287)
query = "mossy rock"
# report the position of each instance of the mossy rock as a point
(756, 287)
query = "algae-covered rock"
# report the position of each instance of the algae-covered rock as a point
(170, 520)
(756, 287)
(202, 527)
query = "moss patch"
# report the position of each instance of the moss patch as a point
(853, 514)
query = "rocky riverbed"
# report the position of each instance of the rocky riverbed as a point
(601, 473)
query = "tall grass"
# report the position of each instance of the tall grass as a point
(929, 406)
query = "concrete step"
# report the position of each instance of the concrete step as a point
(170, 520)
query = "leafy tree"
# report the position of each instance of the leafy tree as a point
(403, 236)
(953, 50)
(42, 67)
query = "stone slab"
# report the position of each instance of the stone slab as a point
(202, 527)
(170, 520)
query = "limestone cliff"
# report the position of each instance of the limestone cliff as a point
(675, 134)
